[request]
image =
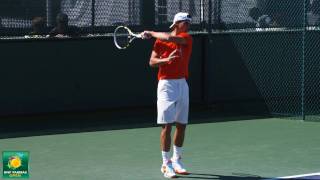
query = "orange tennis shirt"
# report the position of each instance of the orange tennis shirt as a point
(178, 67)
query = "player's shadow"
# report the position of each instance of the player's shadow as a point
(235, 176)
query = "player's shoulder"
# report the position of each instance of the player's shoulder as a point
(185, 34)
(159, 41)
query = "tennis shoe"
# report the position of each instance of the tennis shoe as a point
(168, 171)
(179, 167)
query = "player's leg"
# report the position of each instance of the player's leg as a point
(178, 141)
(179, 135)
(165, 142)
(166, 115)
(182, 109)
(177, 149)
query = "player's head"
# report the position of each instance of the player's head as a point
(38, 24)
(255, 13)
(181, 21)
(62, 19)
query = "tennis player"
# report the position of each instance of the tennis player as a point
(171, 54)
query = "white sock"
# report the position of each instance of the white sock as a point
(177, 152)
(165, 157)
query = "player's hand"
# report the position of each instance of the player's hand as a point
(146, 34)
(173, 55)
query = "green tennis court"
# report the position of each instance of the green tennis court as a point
(78, 103)
(241, 149)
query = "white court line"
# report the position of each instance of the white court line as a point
(302, 175)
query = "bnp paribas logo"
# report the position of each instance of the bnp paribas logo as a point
(15, 164)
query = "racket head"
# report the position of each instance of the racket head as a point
(123, 36)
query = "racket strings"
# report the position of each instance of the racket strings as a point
(123, 37)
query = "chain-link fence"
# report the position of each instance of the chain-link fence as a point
(277, 39)
(20, 17)
(277, 43)
(311, 74)
(276, 71)
(89, 15)
(166, 9)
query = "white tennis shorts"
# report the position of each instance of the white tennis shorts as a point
(173, 101)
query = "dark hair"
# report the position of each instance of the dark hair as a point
(62, 18)
(38, 26)
(38, 22)
(254, 13)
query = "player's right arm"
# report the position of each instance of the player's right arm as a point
(164, 37)
(156, 60)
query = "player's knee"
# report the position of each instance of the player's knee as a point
(181, 127)
(166, 129)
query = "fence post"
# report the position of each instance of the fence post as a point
(53, 8)
(147, 13)
(304, 26)
(206, 52)
(93, 15)
(217, 14)
(209, 25)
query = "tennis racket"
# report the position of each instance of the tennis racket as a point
(123, 37)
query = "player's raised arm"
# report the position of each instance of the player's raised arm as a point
(180, 24)
(164, 37)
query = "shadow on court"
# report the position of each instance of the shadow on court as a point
(222, 177)
(114, 119)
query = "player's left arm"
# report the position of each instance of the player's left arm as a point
(156, 60)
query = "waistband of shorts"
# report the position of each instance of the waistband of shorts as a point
(180, 79)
